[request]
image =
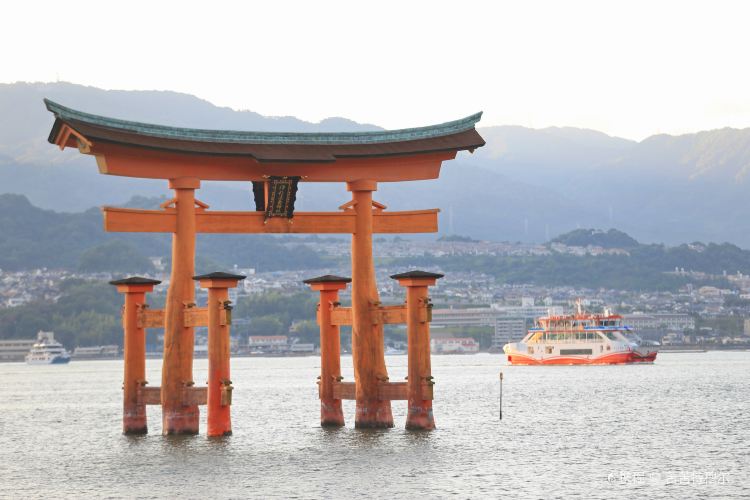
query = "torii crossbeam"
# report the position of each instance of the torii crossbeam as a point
(185, 157)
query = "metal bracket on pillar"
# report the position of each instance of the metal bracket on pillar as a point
(226, 392)
(227, 316)
(170, 205)
(425, 310)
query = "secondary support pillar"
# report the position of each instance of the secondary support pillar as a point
(177, 367)
(419, 416)
(331, 413)
(219, 318)
(134, 352)
(367, 337)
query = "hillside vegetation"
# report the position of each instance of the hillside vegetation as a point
(594, 237)
(643, 267)
(524, 185)
(35, 238)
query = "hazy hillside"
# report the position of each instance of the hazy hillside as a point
(30, 123)
(31, 166)
(663, 189)
(524, 185)
(35, 238)
(642, 267)
(593, 237)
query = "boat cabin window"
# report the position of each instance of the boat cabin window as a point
(565, 352)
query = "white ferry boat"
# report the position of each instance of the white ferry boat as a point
(580, 339)
(47, 351)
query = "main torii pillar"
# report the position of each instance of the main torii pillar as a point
(179, 339)
(367, 335)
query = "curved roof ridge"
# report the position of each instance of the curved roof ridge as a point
(241, 137)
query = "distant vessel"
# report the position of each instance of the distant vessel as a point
(97, 352)
(580, 339)
(393, 351)
(47, 351)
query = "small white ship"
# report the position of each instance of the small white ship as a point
(47, 351)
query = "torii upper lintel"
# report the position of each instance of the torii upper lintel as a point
(145, 150)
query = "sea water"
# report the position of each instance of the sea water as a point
(678, 428)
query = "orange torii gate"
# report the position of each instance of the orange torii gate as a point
(274, 162)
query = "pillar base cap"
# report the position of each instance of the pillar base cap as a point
(220, 276)
(135, 280)
(417, 275)
(328, 278)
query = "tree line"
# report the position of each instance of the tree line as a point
(87, 313)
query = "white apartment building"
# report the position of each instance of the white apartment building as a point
(659, 321)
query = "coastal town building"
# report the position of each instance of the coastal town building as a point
(507, 330)
(509, 321)
(15, 349)
(268, 343)
(97, 352)
(659, 321)
(454, 345)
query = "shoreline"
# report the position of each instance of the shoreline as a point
(687, 349)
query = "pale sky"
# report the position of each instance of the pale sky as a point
(627, 68)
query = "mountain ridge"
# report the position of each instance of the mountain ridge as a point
(532, 183)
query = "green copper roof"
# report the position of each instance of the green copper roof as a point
(239, 137)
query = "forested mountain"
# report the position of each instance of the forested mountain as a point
(637, 267)
(35, 238)
(594, 237)
(525, 184)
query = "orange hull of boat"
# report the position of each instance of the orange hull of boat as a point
(618, 358)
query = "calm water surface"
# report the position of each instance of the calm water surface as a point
(679, 428)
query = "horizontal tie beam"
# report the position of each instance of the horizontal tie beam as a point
(381, 315)
(128, 220)
(387, 391)
(150, 318)
(193, 316)
(191, 395)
